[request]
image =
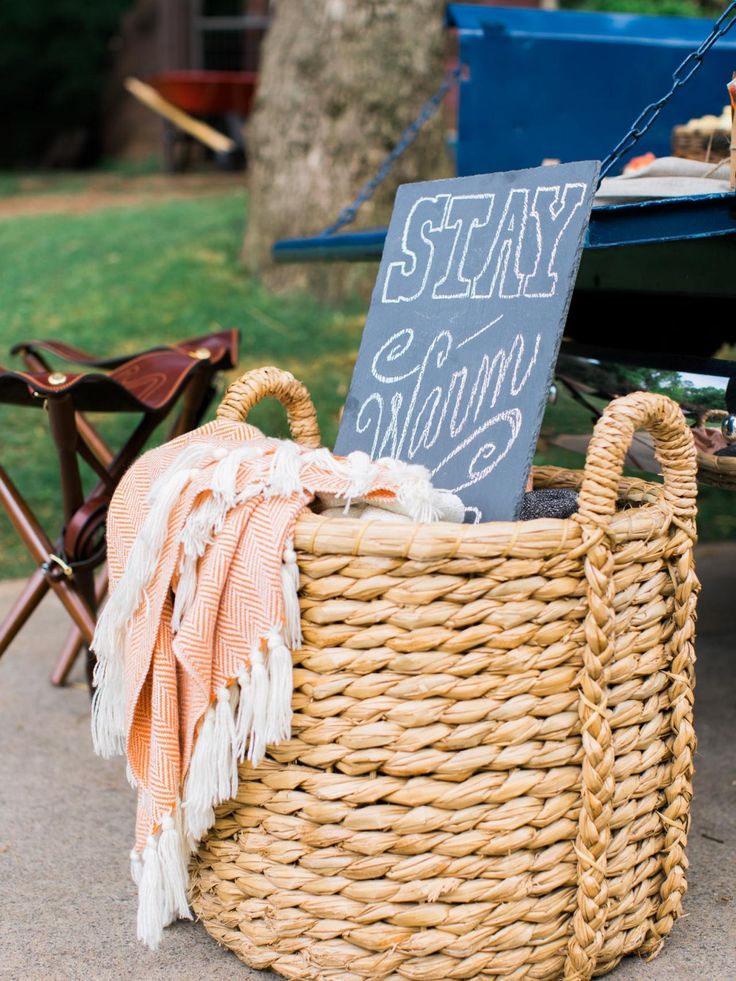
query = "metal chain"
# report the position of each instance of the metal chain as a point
(643, 123)
(682, 74)
(348, 214)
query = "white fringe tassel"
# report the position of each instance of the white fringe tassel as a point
(153, 909)
(284, 475)
(225, 476)
(289, 590)
(259, 685)
(224, 741)
(136, 866)
(244, 719)
(200, 786)
(174, 860)
(280, 685)
(162, 875)
(108, 705)
(196, 535)
(416, 496)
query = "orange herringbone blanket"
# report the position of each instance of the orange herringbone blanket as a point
(194, 669)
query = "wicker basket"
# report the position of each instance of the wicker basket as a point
(490, 771)
(710, 146)
(719, 471)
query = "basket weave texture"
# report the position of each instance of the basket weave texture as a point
(492, 753)
(710, 146)
(718, 471)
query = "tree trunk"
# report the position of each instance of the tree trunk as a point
(340, 79)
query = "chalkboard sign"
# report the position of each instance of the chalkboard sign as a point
(464, 328)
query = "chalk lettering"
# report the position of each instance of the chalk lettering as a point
(552, 218)
(465, 213)
(438, 411)
(464, 329)
(406, 278)
(449, 243)
(505, 251)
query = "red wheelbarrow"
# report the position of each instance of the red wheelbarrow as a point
(190, 102)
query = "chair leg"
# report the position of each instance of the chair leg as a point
(63, 424)
(33, 592)
(69, 654)
(129, 451)
(22, 519)
(197, 397)
(41, 548)
(97, 445)
(75, 641)
(94, 441)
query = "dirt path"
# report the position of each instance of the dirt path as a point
(63, 195)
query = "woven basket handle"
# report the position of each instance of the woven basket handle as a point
(709, 414)
(250, 388)
(675, 450)
(673, 444)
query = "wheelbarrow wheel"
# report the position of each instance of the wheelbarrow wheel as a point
(176, 150)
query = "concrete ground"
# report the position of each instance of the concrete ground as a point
(67, 906)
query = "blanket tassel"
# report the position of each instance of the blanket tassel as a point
(244, 720)
(201, 780)
(224, 742)
(290, 590)
(280, 684)
(259, 692)
(152, 906)
(108, 705)
(136, 866)
(174, 861)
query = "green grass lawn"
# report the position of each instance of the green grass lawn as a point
(123, 279)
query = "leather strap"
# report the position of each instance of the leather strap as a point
(225, 342)
(149, 383)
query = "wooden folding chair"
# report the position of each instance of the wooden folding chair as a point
(152, 383)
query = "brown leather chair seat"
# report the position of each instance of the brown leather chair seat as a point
(150, 381)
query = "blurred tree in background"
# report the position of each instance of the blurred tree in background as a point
(54, 55)
(684, 390)
(340, 79)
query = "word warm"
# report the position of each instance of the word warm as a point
(477, 246)
(459, 412)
